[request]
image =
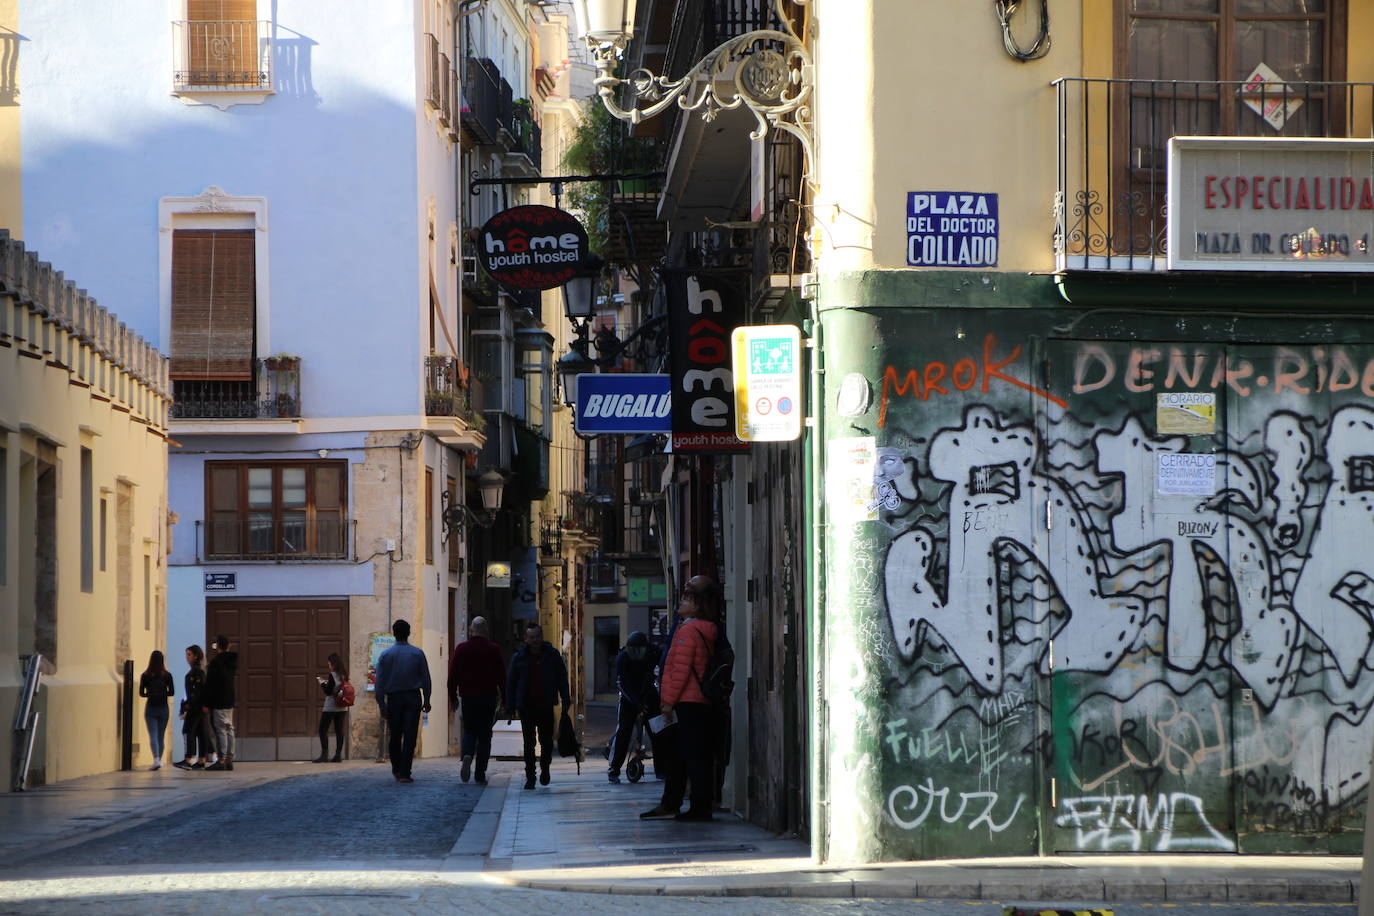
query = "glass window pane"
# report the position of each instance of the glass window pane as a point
(224, 487)
(293, 488)
(327, 487)
(293, 531)
(1261, 7)
(1293, 50)
(329, 533)
(1163, 49)
(1174, 6)
(261, 534)
(259, 488)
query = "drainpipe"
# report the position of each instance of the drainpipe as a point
(815, 620)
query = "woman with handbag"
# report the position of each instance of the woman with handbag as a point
(157, 686)
(332, 713)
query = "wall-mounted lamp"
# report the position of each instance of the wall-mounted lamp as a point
(768, 71)
(454, 513)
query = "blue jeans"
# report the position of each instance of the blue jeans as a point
(156, 719)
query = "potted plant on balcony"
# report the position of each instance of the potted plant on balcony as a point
(602, 145)
(287, 406)
(282, 362)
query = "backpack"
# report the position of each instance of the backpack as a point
(344, 696)
(719, 680)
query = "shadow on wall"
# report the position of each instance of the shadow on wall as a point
(291, 64)
(9, 67)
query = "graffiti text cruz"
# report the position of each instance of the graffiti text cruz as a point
(939, 377)
(908, 799)
(1149, 369)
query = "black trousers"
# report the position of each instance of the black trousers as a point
(537, 719)
(625, 715)
(479, 715)
(335, 718)
(403, 719)
(694, 763)
(196, 729)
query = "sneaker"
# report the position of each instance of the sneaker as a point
(182, 764)
(657, 811)
(404, 779)
(217, 765)
(198, 765)
(337, 758)
(543, 775)
(320, 759)
(466, 772)
(613, 778)
(480, 779)
(228, 764)
(157, 765)
(529, 782)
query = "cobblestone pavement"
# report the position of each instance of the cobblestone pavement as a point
(319, 817)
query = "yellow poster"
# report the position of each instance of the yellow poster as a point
(1191, 413)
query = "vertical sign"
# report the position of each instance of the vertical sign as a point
(767, 383)
(704, 308)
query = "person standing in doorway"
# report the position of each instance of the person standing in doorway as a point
(476, 678)
(217, 701)
(538, 679)
(403, 690)
(195, 728)
(332, 713)
(157, 685)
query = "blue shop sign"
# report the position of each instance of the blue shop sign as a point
(624, 403)
(221, 582)
(951, 229)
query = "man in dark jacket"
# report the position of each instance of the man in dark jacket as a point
(538, 679)
(634, 679)
(217, 701)
(476, 677)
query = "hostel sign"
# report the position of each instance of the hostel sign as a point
(532, 248)
(1270, 204)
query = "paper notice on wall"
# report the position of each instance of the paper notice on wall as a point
(1186, 475)
(1192, 413)
(850, 463)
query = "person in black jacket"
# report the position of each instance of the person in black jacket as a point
(634, 679)
(537, 680)
(157, 685)
(217, 701)
(195, 726)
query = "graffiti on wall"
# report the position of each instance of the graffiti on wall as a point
(1218, 637)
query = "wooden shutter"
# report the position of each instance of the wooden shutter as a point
(213, 304)
(222, 38)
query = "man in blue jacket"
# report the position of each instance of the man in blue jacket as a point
(403, 692)
(537, 680)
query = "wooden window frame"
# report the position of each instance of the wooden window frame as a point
(241, 549)
(429, 516)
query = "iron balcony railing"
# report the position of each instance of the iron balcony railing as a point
(526, 136)
(285, 535)
(505, 107)
(1113, 137)
(603, 578)
(448, 389)
(434, 81)
(445, 91)
(274, 392)
(481, 98)
(221, 55)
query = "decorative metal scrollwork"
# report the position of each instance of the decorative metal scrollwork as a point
(772, 76)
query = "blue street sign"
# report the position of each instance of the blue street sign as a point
(951, 229)
(623, 403)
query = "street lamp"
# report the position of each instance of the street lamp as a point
(572, 364)
(454, 512)
(491, 484)
(768, 71)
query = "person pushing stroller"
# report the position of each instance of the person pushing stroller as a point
(634, 679)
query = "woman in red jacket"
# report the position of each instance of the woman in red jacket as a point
(682, 696)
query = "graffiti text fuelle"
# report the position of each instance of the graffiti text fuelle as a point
(1311, 370)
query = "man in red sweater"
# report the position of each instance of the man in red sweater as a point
(476, 675)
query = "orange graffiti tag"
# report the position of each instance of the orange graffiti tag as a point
(922, 383)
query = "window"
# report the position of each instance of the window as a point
(429, 517)
(221, 45)
(213, 304)
(147, 592)
(279, 509)
(104, 529)
(87, 522)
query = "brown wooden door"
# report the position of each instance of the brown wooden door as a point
(282, 646)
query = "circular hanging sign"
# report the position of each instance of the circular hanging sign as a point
(532, 247)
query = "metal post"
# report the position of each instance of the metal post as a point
(126, 718)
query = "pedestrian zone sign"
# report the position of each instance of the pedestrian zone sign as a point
(767, 371)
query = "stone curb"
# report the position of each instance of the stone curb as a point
(1267, 890)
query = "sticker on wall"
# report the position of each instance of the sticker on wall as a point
(951, 229)
(377, 643)
(1192, 413)
(1186, 474)
(850, 463)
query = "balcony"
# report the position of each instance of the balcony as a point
(449, 403)
(435, 80)
(274, 393)
(277, 538)
(481, 99)
(603, 580)
(222, 56)
(524, 157)
(1113, 150)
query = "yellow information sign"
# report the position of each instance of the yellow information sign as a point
(1191, 413)
(767, 373)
